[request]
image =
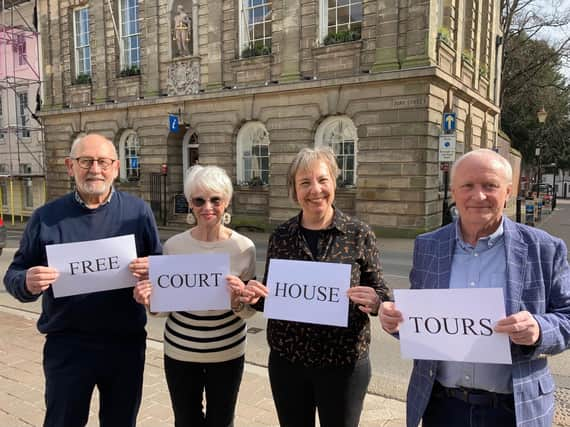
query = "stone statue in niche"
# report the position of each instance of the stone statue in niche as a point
(182, 31)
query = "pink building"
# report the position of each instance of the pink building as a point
(21, 142)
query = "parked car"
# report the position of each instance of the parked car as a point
(2, 235)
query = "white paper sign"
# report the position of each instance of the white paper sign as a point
(189, 282)
(306, 291)
(452, 324)
(92, 266)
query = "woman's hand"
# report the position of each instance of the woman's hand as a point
(236, 287)
(253, 291)
(142, 292)
(139, 268)
(365, 298)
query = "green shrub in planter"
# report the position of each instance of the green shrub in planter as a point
(82, 78)
(133, 70)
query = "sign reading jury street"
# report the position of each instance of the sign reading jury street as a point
(189, 282)
(306, 291)
(452, 324)
(92, 266)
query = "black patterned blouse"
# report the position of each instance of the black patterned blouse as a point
(346, 241)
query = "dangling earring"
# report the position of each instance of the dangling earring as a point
(227, 218)
(190, 220)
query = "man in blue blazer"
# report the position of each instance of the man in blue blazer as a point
(483, 248)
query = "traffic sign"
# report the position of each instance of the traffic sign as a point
(449, 122)
(447, 148)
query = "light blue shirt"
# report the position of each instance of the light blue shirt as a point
(480, 266)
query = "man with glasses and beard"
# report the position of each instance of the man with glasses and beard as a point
(96, 339)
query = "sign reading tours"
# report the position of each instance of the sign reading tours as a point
(453, 324)
(189, 282)
(306, 291)
(92, 266)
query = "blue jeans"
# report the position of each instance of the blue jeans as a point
(187, 382)
(74, 365)
(336, 392)
(445, 411)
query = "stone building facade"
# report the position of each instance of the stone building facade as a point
(252, 82)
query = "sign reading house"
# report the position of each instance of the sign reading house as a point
(92, 266)
(306, 291)
(189, 282)
(452, 324)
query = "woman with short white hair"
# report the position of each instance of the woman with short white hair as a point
(204, 350)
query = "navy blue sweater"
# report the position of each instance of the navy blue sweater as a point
(64, 220)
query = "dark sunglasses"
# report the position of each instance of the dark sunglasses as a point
(200, 201)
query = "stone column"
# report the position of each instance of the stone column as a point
(99, 59)
(215, 44)
(420, 35)
(290, 40)
(151, 72)
(195, 28)
(387, 33)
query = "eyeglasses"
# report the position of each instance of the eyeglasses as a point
(87, 162)
(200, 201)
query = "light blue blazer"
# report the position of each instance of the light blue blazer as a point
(538, 281)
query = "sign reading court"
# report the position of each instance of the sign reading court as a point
(189, 282)
(306, 291)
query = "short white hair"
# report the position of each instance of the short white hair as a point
(486, 154)
(77, 141)
(207, 178)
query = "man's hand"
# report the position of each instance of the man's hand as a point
(39, 278)
(390, 318)
(139, 268)
(142, 292)
(521, 327)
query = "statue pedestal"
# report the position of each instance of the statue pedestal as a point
(183, 76)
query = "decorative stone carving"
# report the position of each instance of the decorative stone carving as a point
(183, 78)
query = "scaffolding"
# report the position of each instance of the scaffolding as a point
(22, 149)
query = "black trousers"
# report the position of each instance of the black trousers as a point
(187, 382)
(337, 393)
(446, 411)
(75, 365)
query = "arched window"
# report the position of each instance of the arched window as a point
(339, 133)
(129, 152)
(253, 154)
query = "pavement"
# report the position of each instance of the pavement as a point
(22, 381)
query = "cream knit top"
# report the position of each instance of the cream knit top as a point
(214, 335)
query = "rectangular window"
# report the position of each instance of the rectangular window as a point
(256, 22)
(27, 193)
(341, 20)
(25, 168)
(21, 49)
(130, 34)
(81, 37)
(22, 114)
(4, 192)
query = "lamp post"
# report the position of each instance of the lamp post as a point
(541, 115)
